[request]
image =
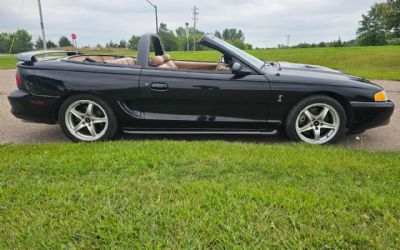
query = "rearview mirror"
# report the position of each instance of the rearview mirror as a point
(238, 69)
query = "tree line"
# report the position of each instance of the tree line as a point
(21, 41)
(335, 43)
(182, 39)
(178, 40)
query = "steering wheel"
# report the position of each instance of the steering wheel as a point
(226, 60)
(220, 61)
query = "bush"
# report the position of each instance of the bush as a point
(394, 41)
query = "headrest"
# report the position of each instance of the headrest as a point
(166, 58)
(158, 60)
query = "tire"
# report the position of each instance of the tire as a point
(87, 118)
(324, 123)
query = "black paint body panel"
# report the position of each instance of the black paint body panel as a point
(145, 97)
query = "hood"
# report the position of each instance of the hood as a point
(307, 67)
(313, 74)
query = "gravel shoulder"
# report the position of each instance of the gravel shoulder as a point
(14, 131)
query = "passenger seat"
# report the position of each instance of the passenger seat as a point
(157, 61)
(168, 63)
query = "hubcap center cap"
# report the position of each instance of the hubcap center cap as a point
(88, 120)
(316, 123)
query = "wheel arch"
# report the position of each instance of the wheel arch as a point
(66, 96)
(339, 98)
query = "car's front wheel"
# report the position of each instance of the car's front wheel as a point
(316, 120)
(87, 118)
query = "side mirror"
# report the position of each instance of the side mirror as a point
(237, 69)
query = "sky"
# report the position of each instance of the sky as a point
(265, 23)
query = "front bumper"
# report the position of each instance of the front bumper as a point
(368, 115)
(41, 109)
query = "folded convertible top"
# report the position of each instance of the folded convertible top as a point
(31, 55)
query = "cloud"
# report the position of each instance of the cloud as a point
(264, 22)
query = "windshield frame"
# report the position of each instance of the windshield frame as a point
(243, 54)
(224, 47)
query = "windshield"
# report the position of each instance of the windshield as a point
(252, 59)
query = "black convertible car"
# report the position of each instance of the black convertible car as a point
(93, 97)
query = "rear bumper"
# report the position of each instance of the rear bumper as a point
(41, 109)
(368, 115)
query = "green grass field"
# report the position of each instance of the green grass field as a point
(368, 62)
(7, 61)
(174, 195)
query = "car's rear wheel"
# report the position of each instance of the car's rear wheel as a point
(87, 118)
(316, 120)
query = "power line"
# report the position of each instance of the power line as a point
(195, 19)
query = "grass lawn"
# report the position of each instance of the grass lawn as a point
(369, 62)
(165, 194)
(7, 61)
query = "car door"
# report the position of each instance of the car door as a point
(203, 99)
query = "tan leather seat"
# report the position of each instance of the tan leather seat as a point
(124, 61)
(157, 61)
(168, 63)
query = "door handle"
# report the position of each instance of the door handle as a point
(159, 86)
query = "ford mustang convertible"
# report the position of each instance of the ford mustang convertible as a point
(94, 97)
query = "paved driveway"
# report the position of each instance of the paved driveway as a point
(14, 131)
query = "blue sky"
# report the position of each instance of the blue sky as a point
(265, 23)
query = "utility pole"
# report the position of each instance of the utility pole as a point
(195, 19)
(187, 36)
(42, 26)
(156, 13)
(288, 41)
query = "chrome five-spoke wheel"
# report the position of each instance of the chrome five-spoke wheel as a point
(86, 120)
(317, 123)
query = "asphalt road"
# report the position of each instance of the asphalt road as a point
(14, 131)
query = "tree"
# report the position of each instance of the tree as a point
(195, 36)
(111, 44)
(50, 44)
(122, 44)
(180, 31)
(64, 42)
(5, 42)
(232, 34)
(39, 43)
(22, 42)
(218, 34)
(133, 43)
(392, 17)
(234, 37)
(178, 41)
(337, 43)
(249, 46)
(372, 29)
(167, 38)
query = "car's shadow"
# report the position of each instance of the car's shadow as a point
(228, 138)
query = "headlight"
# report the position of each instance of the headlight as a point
(381, 96)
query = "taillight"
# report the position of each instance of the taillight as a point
(18, 80)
